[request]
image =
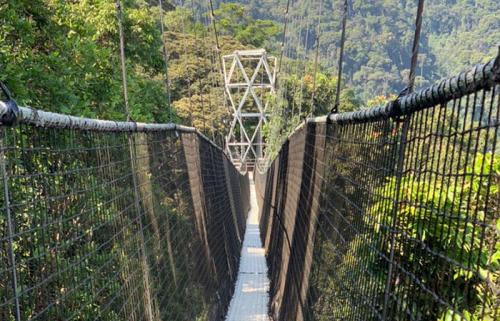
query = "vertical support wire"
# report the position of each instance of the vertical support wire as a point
(304, 68)
(213, 63)
(400, 157)
(216, 36)
(299, 26)
(119, 14)
(394, 211)
(288, 47)
(133, 168)
(10, 227)
(220, 63)
(200, 85)
(335, 108)
(416, 42)
(165, 58)
(185, 47)
(316, 56)
(284, 35)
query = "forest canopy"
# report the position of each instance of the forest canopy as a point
(456, 34)
(63, 55)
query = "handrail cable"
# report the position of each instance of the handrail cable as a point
(351, 182)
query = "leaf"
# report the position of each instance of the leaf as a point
(495, 258)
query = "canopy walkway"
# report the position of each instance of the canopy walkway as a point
(389, 213)
(251, 297)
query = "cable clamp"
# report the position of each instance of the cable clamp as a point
(11, 114)
(496, 67)
(395, 111)
(334, 110)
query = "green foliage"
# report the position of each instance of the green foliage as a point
(234, 20)
(455, 36)
(299, 98)
(206, 112)
(380, 100)
(465, 202)
(81, 251)
(63, 56)
(279, 125)
(445, 233)
(195, 79)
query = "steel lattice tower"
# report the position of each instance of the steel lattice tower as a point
(247, 97)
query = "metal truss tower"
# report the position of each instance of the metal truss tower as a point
(249, 76)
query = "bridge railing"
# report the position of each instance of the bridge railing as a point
(390, 213)
(109, 220)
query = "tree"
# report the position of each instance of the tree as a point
(234, 20)
(299, 98)
(455, 36)
(63, 57)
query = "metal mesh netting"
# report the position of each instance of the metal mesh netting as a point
(375, 217)
(110, 225)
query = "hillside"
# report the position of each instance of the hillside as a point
(455, 34)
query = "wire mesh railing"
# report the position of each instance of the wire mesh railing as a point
(390, 213)
(116, 221)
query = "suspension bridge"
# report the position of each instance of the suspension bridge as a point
(385, 213)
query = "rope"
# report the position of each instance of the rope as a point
(374, 164)
(106, 210)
